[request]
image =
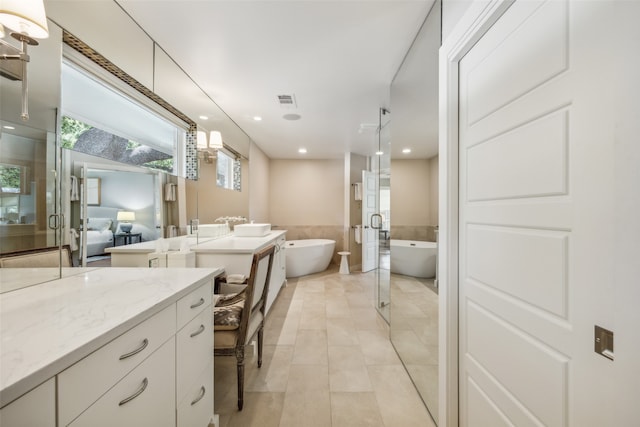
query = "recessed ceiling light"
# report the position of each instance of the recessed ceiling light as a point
(204, 117)
(302, 150)
(406, 150)
(257, 118)
(292, 116)
(379, 153)
(8, 127)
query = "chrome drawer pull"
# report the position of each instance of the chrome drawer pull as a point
(198, 304)
(144, 345)
(143, 387)
(198, 332)
(199, 398)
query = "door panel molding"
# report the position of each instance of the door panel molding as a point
(472, 26)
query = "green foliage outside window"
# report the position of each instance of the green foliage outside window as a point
(72, 129)
(10, 178)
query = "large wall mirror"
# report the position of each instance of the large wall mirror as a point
(413, 186)
(42, 191)
(29, 161)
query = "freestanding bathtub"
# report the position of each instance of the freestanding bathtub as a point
(308, 256)
(414, 258)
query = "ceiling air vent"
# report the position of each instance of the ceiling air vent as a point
(287, 101)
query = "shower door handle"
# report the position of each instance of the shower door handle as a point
(379, 226)
(55, 221)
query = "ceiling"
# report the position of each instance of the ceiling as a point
(337, 58)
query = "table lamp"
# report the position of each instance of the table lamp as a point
(125, 218)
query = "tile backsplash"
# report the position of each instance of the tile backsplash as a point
(423, 233)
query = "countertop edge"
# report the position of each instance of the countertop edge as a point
(32, 380)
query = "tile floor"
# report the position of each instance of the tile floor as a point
(327, 362)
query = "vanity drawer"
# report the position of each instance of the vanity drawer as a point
(143, 398)
(196, 407)
(194, 350)
(83, 383)
(191, 305)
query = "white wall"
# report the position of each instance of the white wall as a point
(433, 191)
(259, 185)
(206, 201)
(452, 11)
(410, 192)
(307, 192)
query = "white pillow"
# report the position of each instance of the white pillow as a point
(99, 224)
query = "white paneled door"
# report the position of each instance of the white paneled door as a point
(539, 190)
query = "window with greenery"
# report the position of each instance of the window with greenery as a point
(87, 139)
(11, 182)
(228, 172)
(10, 178)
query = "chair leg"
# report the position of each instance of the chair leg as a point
(260, 340)
(240, 369)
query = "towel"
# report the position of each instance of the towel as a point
(74, 193)
(170, 192)
(357, 191)
(236, 278)
(73, 239)
(358, 234)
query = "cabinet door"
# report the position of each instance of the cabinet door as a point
(191, 305)
(196, 408)
(194, 350)
(144, 398)
(35, 409)
(83, 383)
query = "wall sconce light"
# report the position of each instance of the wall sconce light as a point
(206, 156)
(201, 140)
(28, 20)
(215, 140)
(203, 145)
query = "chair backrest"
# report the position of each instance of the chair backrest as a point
(40, 257)
(257, 286)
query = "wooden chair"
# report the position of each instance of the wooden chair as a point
(239, 317)
(41, 257)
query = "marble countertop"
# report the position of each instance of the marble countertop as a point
(233, 244)
(48, 327)
(227, 244)
(18, 278)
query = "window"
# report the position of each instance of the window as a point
(118, 127)
(10, 178)
(103, 144)
(228, 171)
(14, 193)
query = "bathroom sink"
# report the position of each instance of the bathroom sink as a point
(251, 230)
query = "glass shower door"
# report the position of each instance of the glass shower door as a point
(381, 165)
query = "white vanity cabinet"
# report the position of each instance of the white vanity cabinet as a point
(143, 398)
(154, 366)
(278, 271)
(137, 351)
(36, 408)
(194, 359)
(83, 383)
(235, 255)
